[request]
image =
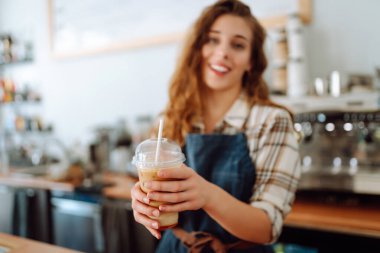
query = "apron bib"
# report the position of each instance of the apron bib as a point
(225, 161)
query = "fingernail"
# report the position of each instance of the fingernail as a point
(146, 200)
(156, 213)
(155, 225)
(162, 208)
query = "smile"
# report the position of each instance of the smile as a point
(219, 68)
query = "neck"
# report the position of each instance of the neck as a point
(217, 104)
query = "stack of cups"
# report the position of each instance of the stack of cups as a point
(297, 73)
(150, 156)
(279, 60)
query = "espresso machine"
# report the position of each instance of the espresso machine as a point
(340, 150)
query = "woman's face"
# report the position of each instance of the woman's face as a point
(226, 53)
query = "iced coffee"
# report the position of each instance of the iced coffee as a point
(148, 164)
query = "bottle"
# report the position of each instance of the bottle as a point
(335, 84)
(6, 48)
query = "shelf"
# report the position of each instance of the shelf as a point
(14, 63)
(16, 120)
(366, 101)
(21, 103)
(28, 133)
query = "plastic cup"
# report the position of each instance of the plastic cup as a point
(170, 156)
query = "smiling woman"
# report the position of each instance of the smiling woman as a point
(240, 147)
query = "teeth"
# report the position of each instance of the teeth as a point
(219, 68)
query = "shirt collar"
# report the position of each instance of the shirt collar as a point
(235, 116)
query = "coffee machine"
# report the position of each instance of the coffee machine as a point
(340, 150)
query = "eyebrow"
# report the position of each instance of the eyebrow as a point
(236, 36)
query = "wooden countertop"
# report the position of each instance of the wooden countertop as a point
(360, 220)
(34, 182)
(120, 190)
(23, 245)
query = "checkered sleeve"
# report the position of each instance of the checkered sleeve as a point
(274, 150)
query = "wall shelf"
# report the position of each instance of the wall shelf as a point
(12, 63)
(366, 101)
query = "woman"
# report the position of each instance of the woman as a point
(242, 154)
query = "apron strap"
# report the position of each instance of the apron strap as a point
(196, 241)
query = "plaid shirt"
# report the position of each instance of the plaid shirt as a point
(273, 148)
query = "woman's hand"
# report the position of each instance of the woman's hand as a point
(142, 211)
(185, 190)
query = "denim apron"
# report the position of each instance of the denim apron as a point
(225, 161)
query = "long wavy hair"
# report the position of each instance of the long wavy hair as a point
(185, 106)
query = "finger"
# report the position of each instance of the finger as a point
(138, 194)
(140, 202)
(146, 221)
(175, 173)
(179, 207)
(170, 197)
(144, 208)
(154, 232)
(167, 186)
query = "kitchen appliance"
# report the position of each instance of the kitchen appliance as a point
(77, 221)
(111, 148)
(340, 150)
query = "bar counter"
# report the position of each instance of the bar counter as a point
(356, 219)
(22, 245)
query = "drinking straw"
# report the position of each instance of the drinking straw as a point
(159, 138)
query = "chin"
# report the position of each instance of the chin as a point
(218, 88)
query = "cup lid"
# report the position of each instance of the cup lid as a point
(170, 154)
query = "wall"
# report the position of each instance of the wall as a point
(344, 36)
(80, 93)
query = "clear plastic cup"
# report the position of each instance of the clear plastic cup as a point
(170, 156)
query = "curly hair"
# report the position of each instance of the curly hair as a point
(185, 105)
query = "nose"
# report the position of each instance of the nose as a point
(222, 51)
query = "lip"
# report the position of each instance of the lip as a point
(216, 72)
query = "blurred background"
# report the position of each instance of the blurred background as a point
(340, 37)
(82, 82)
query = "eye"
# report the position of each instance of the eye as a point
(212, 40)
(238, 46)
